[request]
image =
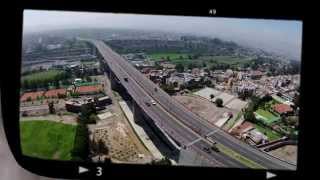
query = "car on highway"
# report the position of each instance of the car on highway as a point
(147, 103)
(215, 148)
(206, 149)
(126, 79)
(153, 102)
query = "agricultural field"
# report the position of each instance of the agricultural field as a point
(208, 61)
(49, 75)
(46, 139)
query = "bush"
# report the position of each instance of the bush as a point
(93, 119)
(219, 102)
(29, 99)
(163, 161)
(61, 96)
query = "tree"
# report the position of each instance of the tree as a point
(248, 115)
(208, 83)
(168, 88)
(168, 58)
(61, 96)
(51, 107)
(191, 65)
(213, 67)
(204, 64)
(93, 119)
(87, 114)
(29, 99)
(179, 68)
(219, 102)
(158, 66)
(88, 78)
(99, 148)
(211, 96)
(56, 83)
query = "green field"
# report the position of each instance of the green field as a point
(183, 58)
(47, 139)
(267, 117)
(172, 56)
(272, 135)
(42, 76)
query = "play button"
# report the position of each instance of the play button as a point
(270, 175)
(82, 170)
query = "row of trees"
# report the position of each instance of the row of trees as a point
(218, 101)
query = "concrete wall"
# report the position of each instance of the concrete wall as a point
(140, 115)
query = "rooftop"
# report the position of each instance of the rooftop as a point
(88, 89)
(282, 108)
(55, 92)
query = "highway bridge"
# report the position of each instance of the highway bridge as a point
(188, 130)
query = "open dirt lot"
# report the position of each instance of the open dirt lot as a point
(287, 153)
(203, 107)
(117, 134)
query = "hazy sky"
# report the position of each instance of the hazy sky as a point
(280, 36)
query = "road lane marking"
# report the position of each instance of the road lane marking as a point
(191, 143)
(212, 132)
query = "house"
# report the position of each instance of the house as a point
(282, 109)
(195, 71)
(243, 128)
(74, 105)
(256, 136)
(102, 101)
(256, 74)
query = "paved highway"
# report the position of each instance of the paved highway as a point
(177, 121)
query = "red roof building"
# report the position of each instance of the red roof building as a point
(89, 89)
(282, 108)
(243, 128)
(55, 92)
(31, 95)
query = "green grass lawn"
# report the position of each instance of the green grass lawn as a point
(267, 117)
(272, 135)
(47, 139)
(42, 76)
(173, 56)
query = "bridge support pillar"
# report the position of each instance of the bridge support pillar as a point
(137, 113)
(113, 80)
